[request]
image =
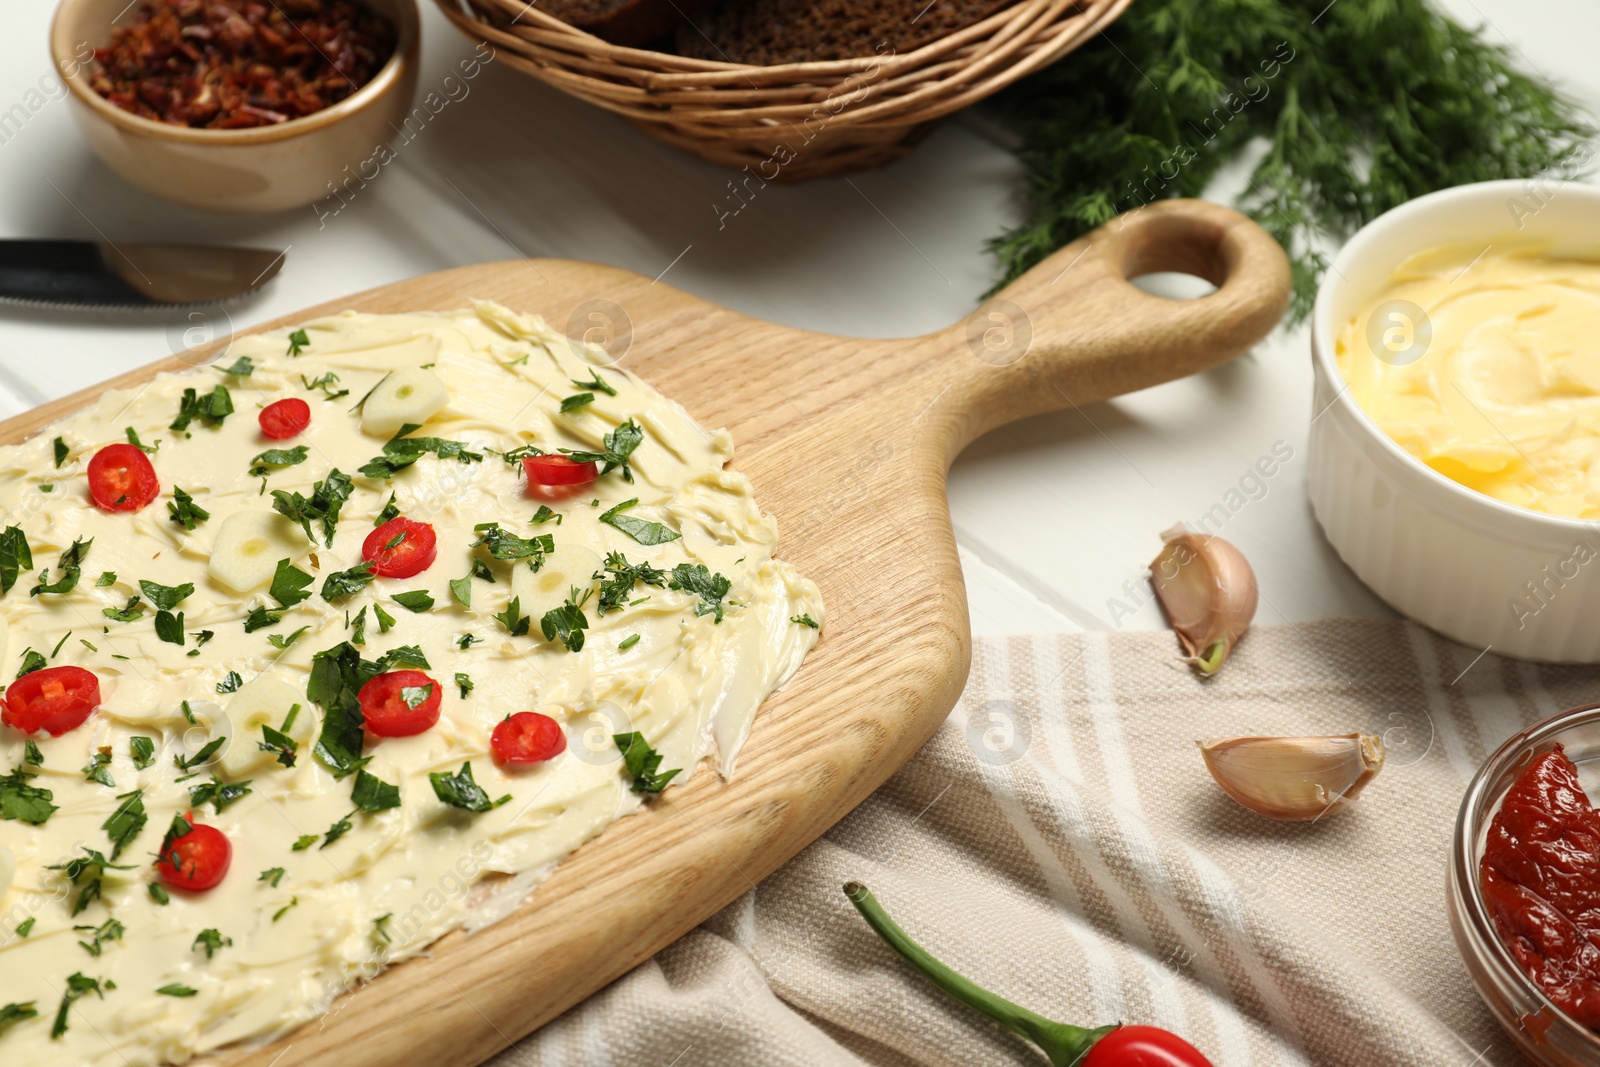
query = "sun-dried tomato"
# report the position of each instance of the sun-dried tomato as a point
(227, 64)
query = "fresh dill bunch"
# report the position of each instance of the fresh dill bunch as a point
(1359, 105)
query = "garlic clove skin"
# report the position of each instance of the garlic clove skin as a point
(1207, 590)
(1294, 778)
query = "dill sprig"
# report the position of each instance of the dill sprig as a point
(1359, 105)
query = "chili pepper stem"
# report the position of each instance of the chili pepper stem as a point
(1063, 1043)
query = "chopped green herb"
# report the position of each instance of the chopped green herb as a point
(31, 753)
(278, 743)
(242, 367)
(294, 902)
(98, 769)
(418, 600)
(260, 618)
(642, 762)
(297, 341)
(341, 584)
(127, 821)
(576, 401)
(628, 642)
(694, 578)
(133, 439)
(505, 545)
(513, 620)
(461, 590)
(107, 932)
(544, 514)
(337, 675)
(144, 752)
(323, 506)
(176, 990)
(219, 795)
(616, 589)
(390, 511)
(211, 941)
(402, 450)
(230, 683)
(277, 459)
(403, 656)
(25, 927)
(326, 383)
(273, 875)
(24, 802)
(567, 622)
(358, 629)
(464, 683)
(71, 568)
(31, 661)
(282, 641)
(199, 759)
(385, 620)
(106, 580)
(466, 641)
(460, 790)
(337, 830)
(804, 620)
(169, 627)
(416, 695)
(78, 986)
(380, 925)
(372, 793)
(159, 894)
(303, 843)
(290, 584)
(597, 384)
(212, 408)
(184, 511)
(15, 557)
(166, 597)
(128, 613)
(619, 447)
(61, 451)
(641, 530)
(86, 873)
(14, 1013)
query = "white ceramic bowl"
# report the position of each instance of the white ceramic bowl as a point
(1475, 569)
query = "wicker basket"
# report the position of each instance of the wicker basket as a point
(796, 120)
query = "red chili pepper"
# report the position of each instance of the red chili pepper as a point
(122, 479)
(401, 548)
(285, 418)
(391, 711)
(54, 699)
(198, 860)
(1066, 1046)
(527, 737)
(557, 477)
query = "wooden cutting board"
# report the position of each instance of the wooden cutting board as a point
(848, 442)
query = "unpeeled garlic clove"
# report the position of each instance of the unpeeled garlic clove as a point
(1208, 592)
(1294, 777)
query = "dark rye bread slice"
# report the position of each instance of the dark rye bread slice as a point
(768, 32)
(632, 23)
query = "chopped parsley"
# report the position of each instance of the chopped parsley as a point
(106, 580)
(460, 790)
(25, 927)
(298, 341)
(182, 510)
(62, 451)
(464, 683)
(290, 584)
(220, 795)
(303, 842)
(322, 506)
(277, 459)
(31, 754)
(260, 618)
(642, 762)
(418, 600)
(616, 589)
(273, 875)
(169, 627)
(380, 926)
(709, 587)
(461, 590)
(24, 802)
(176, 990)
(619, 447)
(211, 409)
(341, 584)
(199, 759)
(279, 743)
(337, 675)
(544, 515)
(14, 1013)
(166, 597)
(597, 384)
(242, 367)
(79, 986)
(86, 873)
(567, 622)
(575, 402)
(159, 894)
(505, 545)
(628, 642)
(641, 530)
(294, 902)
(98, 768)
(282, 641)
(337, 830)
(70, 567)
(390, 511)
(402, 450)
(107, 932)
(31, 661)
(133, 439)
(15, 557)
(211, 941)
(805, 620)
(144, 752)
(326, 383)
(466, 641)
(372, 793)
(513, 620)
(230, 683)
(127, 821)
(128, 613)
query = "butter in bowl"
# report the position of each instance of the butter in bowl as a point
(1455, 441)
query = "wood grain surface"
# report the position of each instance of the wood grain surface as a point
(848, 442)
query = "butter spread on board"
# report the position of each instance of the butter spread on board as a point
(332, 877)
(1485, 365)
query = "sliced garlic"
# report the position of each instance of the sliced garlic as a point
(8, 870)
(1208, 592)
(263, 702)
(409, 395)
(1294, 777)
(569, 567)
(249, 545)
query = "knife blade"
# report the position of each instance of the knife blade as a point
(102, 274)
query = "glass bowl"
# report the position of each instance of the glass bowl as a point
(1543, 1031)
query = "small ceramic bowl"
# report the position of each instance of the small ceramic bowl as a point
(268, 168)
(1543, 1031)
(1481, 571)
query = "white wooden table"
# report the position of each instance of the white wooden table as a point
(1056, 517)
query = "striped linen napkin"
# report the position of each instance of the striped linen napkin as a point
(1060, 841)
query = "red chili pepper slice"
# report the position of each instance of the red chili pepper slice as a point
(55, 700)
(284, 419)
(197, 861)
(557, 477)
(388, 713)
(122, 479)
(401, 548)
(527, 737)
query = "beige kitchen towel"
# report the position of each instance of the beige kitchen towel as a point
(1060, 842)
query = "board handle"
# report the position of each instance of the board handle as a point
(1074, 329)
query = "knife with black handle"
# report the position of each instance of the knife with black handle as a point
(101, 274)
